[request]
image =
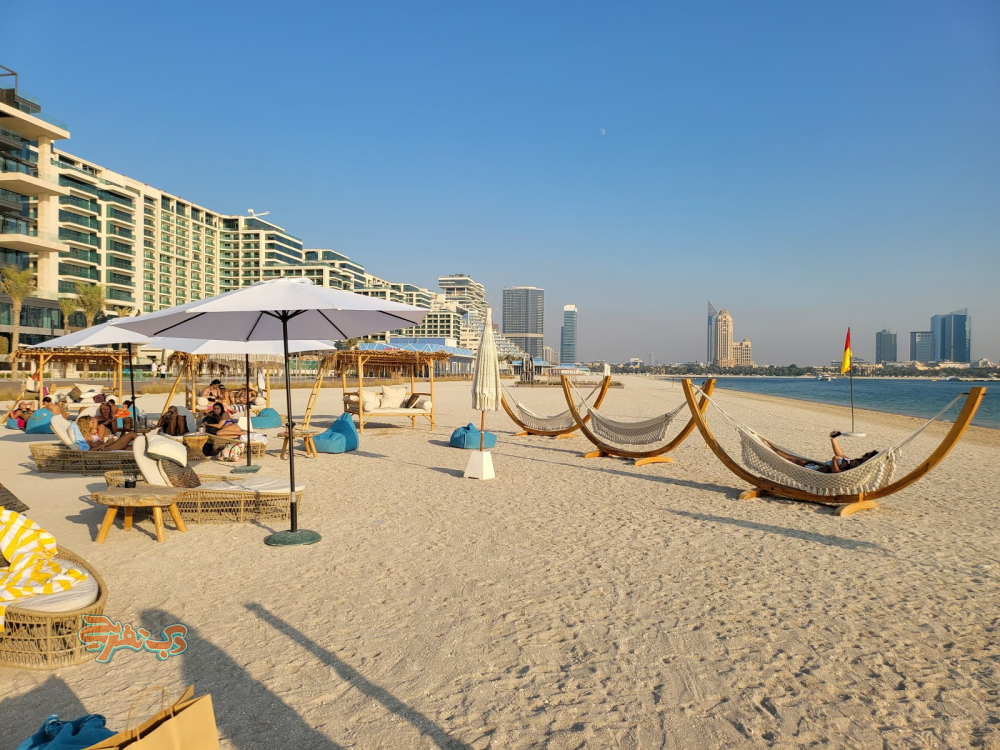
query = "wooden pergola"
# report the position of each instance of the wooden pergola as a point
(87, 354)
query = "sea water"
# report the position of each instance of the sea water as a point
(912, 396)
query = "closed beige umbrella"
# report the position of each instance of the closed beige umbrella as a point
(485, 397)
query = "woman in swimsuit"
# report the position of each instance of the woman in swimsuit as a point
(106, 418)
(96, 441)
(835, 465)
(217, 422)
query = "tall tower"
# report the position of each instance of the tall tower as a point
(952, 335)
(524, 318)
(713, 316)
(885, 346)
(724, 339)
(567, 337)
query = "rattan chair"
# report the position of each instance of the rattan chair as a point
(226, 504)
(56, 458)
(49, 640)
(256, 449)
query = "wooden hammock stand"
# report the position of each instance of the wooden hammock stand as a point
(558, 434)
(845, 504)
(641, 458)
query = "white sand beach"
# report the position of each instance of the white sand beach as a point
(569, 603)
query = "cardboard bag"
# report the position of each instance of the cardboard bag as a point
(188, 724)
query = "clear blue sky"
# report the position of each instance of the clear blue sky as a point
(807, 166)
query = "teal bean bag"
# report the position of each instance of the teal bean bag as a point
(12, 424)
(468, 437)
(40, 423)
(267, 419)
(342, 436)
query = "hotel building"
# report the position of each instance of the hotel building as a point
(524, 318)
(742, 354)
(567, 336)
(921, 346)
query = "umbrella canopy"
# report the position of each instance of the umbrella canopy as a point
(486, 371)
(217, 346)
(100, 335)
(280, 310)
(259, 313)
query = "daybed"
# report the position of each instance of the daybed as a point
(389, 401)
(65, 457)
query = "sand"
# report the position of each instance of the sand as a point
(566, 604)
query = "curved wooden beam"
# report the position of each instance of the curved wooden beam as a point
(641, 457)
(851, 502)
(605, 384)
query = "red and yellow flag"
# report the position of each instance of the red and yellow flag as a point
(845, 366)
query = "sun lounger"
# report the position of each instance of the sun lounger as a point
(65, 457)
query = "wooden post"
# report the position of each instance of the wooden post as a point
(361, 396)
(121, 377)
(430, 367)
(173, 390)
(41, 377)
(267, 383)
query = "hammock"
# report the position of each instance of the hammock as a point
(643, 432)
(760, 457)
(532, 420)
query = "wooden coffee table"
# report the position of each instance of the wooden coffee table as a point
(144, 496)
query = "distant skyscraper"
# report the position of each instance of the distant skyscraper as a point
(713, 316)
(885, 346)
(952, 336)
(921, 346)
(567, 336)
(723, 339)
(550, 355)
(651, 360)
(524, 317)
(743, 354)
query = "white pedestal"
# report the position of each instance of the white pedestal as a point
(480, 466)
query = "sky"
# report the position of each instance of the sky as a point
(807, 166)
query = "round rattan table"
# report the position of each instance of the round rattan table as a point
(143, 496)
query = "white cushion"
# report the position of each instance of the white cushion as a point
(82, 594)
(392, 396)
(202, 401)
(148, 466)
(260, 401)
(423, 402)
(60, 426)
(162, 447)
(87, 411)
(262, 484)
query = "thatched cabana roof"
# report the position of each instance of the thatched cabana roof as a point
(354, 358)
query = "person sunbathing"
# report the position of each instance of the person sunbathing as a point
(835, 465)
(21, 414)
(215, 391)
(172, 423)
(106, 417)
(55, 408)
(96, 438)
(217, 422)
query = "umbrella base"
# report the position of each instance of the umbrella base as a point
(289, 538)
(245, 470)
(480, 466)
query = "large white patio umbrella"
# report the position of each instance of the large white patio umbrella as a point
(485, 397)
(100, 335)
(246, 348)
(280, 310)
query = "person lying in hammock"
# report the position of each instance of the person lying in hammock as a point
(837, 464)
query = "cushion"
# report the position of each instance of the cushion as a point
(40, 423)
(260, 401)
(75, 393)
(267, 419)
(392, 396)
(83, 594)
(411, 401)
(89, 411)
(468, 437)
(148, 466)
(179, 476)
(202, 402)
(262, 484)
(60, 426)
(160, 447)
(330, 442)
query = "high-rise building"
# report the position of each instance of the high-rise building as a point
(921, 346)
(742, 354)
(885, 346)
(723, 339)
(713, 317)
(524, 318)
(952, 336)
(652, 361)
(567, 336)
(550, 355)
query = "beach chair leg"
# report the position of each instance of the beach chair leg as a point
(754, 493)
(566, 436)
(176, 515)
(109, 520)
(654, 460)
(284, 446)
(521, 434)
(161, 534)
(127, 525)
(849, 508)
(595, 454)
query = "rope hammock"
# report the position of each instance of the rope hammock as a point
(760, 457)
(644, 432)
(543, 423)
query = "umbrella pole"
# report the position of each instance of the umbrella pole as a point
(131, 382)
(248, 469)
(482, 430)
(295, 536)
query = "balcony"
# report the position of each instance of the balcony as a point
(120, 279)
(16, 234)
(32, 126)
(68, 217)
(120, 295)
(116, 262)
(119, 216)
(81, 203)
(85, 256)
(81, 272)
(117, 231)
(20, 178)
(119, 247)
(71, 235)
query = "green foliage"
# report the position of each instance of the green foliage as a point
(91, 299)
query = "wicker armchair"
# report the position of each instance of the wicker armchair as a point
(256, 449)
(229, 503)
(49, 640)
(56, 458)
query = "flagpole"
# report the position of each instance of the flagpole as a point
(851, 376)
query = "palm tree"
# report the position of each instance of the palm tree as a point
(17, 284)
(67, 306)
(123, 311)
(91, 300)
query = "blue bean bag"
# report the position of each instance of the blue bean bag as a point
(12, 424)
(342, 436)
(468, 437)
(39, 423)
(267, 419)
